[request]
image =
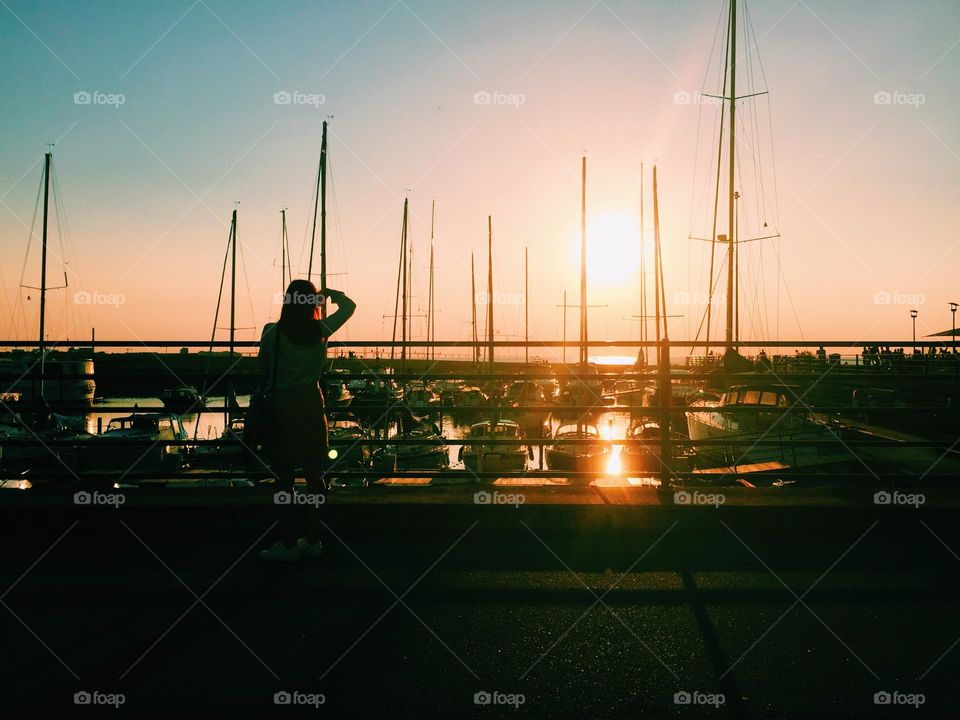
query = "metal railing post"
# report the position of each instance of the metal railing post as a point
(665, 391)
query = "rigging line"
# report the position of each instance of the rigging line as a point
(763, 314)
(223, 275)
(20, 287)
(695, 206)
(246, 282)
(761, 207)
(335, 208)
(793, 307)
(702, 205)
(755, 311)
(703, 317)
(777, 253)
(58, 214)
(396, 301)
(26, 259)
(763, 281)
(341, 244)
(64, 238)
(754, 151)
(716, 197)
(65, 313)
(306, 230)
(773, 163)
(216, 317)
(747, 124)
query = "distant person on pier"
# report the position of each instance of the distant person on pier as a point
(292, 353)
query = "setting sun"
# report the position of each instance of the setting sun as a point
(613, 248)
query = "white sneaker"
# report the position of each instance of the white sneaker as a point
(279, 552)
(310, 549)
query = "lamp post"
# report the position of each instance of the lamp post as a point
(913, 316)
(953, 335)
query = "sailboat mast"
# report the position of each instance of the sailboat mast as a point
(473, 310)
(643, 276)
(404, 270)
(320, 208)
(583, 263)
(431, 332)
(233, 279)
(410, 267)
(283, 250)
(564, 327)
(732, 162)
(526, 305)
(490, 292)
(323, 225)
(396, 298)
(736, 265)
(663, 283)
(43, 265)
(658, 311)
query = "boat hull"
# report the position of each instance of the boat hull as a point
(715, 425)
(495, 461)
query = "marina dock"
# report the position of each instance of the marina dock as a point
(616, 586)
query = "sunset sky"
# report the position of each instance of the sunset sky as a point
(867, 189)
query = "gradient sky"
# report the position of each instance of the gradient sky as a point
(867, 192)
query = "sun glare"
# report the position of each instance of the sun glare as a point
(613, 248)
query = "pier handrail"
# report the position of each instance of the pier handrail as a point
(803, 370)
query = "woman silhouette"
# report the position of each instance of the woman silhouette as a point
(292, 353)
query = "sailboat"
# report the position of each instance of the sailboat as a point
(585, 388)
(41, 384)
(232, 449)
(46, 381)
(753, 411)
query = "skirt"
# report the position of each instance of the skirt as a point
(301, 433)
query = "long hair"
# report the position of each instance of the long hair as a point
(300, 316)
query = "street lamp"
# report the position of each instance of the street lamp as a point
(953, 312)
(913, 316)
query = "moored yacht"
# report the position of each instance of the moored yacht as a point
(752, 415)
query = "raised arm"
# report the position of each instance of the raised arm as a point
(345, 309)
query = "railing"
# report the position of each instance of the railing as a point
(938, 380)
